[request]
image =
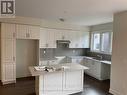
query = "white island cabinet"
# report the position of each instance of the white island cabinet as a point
(63, 82)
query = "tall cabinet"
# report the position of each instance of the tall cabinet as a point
(8, 53)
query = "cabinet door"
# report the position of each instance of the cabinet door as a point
(97, 69)
(22, 31)
(34, 32)
(84, 39)
(88, 63)
(73, 80)
(8, 50)
(53, 82)
(43, 38)
(8, 72)
(8, 31)
(73, 40)
(51, 38)
(59, 35)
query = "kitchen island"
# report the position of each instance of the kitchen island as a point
(63, 79)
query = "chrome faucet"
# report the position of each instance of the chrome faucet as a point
(100, 57)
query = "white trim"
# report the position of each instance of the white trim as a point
(114, 92)
(92, 40)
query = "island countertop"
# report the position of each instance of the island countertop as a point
(68, 67)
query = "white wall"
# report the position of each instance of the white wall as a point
(119, 55)
(101, 27)
(26, 55)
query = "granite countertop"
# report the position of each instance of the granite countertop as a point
(88, 57)
(66, 67)
(91, 58)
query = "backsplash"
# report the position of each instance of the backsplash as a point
(94, 54)
(51, 52)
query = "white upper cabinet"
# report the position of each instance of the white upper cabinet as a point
(84, 39)
(62, 34)
(47, 38)
(22, 31)
(8, 31)
(27, 32)
(34, 32)
(79, 39)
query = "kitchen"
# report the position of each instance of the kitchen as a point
(63, 48)
(52, 48)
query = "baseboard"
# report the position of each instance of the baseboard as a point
(8, 82)
(114, 92)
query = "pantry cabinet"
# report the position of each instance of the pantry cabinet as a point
(8, 53)
(27, 32)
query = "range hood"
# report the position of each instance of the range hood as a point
(63, 43)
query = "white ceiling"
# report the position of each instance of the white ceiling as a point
(80, 12)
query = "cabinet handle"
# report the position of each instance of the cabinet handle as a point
(26, 35)
(63, 37)
(14, 35)
(13, 58)
(29, 35)
(47, 45)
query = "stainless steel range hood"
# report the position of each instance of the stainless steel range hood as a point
(63, 43)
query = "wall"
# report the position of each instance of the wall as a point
(51, 53)
(26, 55)
(119, 55)
(100, 27)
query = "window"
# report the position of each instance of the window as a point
(101, 42)
(96, 41)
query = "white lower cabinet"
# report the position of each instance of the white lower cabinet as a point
(8, 73)
(53, 82)
(60, 83)
(97, 69)
(73, 80)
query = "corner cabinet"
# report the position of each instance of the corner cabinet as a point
(8, 53)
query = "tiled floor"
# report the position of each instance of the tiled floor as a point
(26, 86)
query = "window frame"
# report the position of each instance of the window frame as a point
(100, 49)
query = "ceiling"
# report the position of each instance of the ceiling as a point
(79, 12)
